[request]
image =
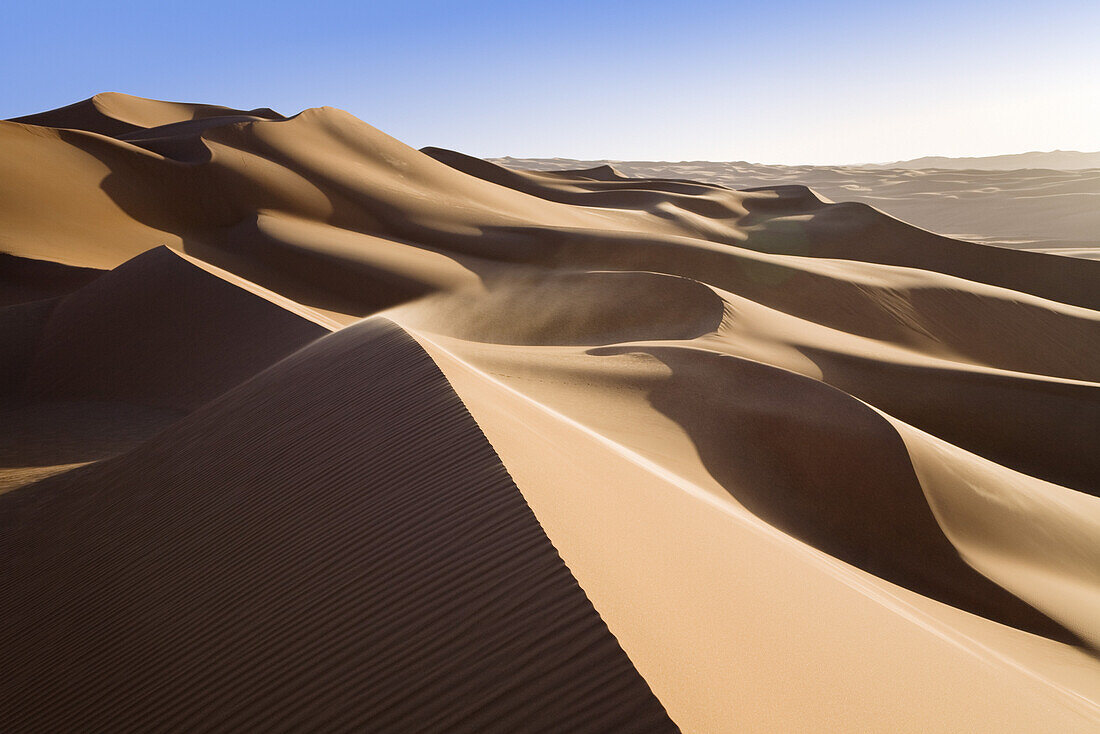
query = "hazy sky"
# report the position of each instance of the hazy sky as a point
(773, 82)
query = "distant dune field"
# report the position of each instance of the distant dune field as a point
(1019, 201)
(305, 429)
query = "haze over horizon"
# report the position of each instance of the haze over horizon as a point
(801, 84)
(1088, 159)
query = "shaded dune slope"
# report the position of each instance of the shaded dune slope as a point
(93, 373)
(161, 332)
(336, 547)
(825, 468)
(23, 280)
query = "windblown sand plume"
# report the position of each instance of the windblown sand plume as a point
(304, 429)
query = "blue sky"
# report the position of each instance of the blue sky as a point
(776, 82)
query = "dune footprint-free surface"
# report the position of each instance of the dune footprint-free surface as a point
(304, 429)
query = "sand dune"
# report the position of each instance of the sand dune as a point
(120, 115)
(814, 468)
(119, 337)
(1021, 204)
(338, 548)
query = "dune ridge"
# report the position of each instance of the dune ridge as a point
(339, 549)
(808, 462)
(117, 114)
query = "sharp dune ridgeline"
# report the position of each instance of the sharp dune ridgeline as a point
(305, 429)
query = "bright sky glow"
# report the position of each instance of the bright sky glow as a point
(773, 82)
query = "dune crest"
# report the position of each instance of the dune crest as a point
(608, 453)
(117, 114)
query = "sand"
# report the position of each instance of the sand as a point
(1039, 201)
(305, 428)
(335, 546)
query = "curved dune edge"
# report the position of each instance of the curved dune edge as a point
(1034, 538)
(709, 622)
(808, 463)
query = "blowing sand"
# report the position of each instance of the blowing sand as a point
(586, 452)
